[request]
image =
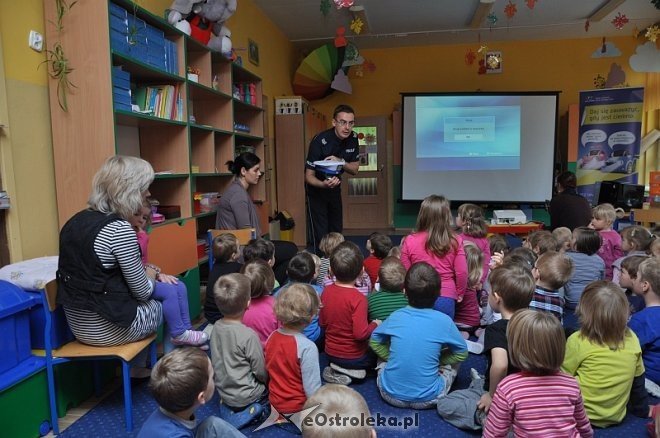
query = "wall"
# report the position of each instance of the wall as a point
(26, 154)
(564, 65)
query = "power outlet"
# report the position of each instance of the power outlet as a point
(36, 41)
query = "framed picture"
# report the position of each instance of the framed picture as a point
(253, 52)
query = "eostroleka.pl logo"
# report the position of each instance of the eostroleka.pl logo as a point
(309, 417)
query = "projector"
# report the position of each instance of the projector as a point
(509, 217)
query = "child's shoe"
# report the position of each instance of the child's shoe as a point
(192, 337)
(242, 418)
(332, 376)
(354, 374)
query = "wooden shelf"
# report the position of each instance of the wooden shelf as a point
(128, 118)
(145, 72)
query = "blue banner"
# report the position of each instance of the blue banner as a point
(610, 131)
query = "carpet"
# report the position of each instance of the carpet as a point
(107, 418)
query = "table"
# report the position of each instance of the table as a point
(646, 216)
(514, 228)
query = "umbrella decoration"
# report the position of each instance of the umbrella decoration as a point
(316, 72)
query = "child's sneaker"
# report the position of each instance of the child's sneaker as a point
(332, 376)
(354, 374)
(191, 337)
(240, 419)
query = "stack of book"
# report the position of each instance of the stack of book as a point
(164, 101)
(121, 89)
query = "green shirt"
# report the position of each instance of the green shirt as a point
(383, 303)
(605, 375)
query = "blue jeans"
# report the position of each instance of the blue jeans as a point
(446, 306)
(368, 361)
(215, 427)
(174, 298)
(447, 374)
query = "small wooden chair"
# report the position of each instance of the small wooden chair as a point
(243, 235)
(75, 350)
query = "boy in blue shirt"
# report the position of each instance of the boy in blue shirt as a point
(411, 340)
(181, 382)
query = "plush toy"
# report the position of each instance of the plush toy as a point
(204, 21)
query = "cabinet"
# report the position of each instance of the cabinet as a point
(293, 133)
(189, 135)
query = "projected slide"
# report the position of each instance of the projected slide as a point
(459, 133)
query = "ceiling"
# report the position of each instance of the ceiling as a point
(397, 23)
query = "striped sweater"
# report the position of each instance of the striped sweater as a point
(538, 406)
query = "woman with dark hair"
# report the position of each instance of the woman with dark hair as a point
(567, 208)
(236, 209)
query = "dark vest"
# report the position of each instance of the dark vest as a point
(82, 281)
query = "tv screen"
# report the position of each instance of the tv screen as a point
(479, 147)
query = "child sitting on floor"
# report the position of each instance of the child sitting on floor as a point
(343, 316)
(292, 360)
(540, 242)
(471, 220)
(605, 353)
(629, 267)
(261, 249)
(587, 265)
(328, 243)
(564, 237)
(378, 245)
(225, 253)
(260, 315)
(467, 317)
(181, 382)
(237, 356)
(411, 340)
(610, 250)
(337, 401)
(635, 240)
(551, 272)
(390, 297)
(645, 322)
(512, 290)
(167, 289)
(539, 400)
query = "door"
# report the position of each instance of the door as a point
(365, 195)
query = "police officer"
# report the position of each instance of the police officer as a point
(324, 205)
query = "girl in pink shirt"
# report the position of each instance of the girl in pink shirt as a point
(467, 316)
(610, 250)
(434, 242)
(260, 314)
(470, 219)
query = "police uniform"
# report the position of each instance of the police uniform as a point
(324, 204)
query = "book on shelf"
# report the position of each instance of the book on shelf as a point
(162, 101)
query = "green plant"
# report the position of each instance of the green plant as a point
(59, 69)
(133, 30)
(61, 8)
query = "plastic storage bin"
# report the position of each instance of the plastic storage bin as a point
(14, 325)
(24, 410)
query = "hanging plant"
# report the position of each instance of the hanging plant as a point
(59, 69)
(61, 8)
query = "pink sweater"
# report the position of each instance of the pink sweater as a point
(483, 244)
(610, 250)
(260, 317)
(452, 267)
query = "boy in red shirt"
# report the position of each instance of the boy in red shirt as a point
(379, 246)
(343, 316)
(292, 360)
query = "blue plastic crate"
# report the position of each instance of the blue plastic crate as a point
(14, 325)
(121, 83)
(123, 107)
(118, 73)
(155, 35)
(120, 98)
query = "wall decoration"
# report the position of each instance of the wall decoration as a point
(316, 72)
(510, 10)
(610, 51)
(492, 19)
(253, 52)
(646, 58)
(341, 83)
(620, 20)
(343, 3)
(586, 26)
(325, 7)
(356, 25)
(531, 4)
(493, 61)
(340, 39)
(616, 76)
(652, 33)
(352, 56)
(470, 56)
(599, 81)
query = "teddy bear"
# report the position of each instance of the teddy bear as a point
(204, 21)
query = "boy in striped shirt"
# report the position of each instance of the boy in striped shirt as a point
(551, 272)
(390, 297)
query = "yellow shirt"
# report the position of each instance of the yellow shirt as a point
(605, 375)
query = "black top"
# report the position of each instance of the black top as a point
(568, 209)
(211, 311)
(326, 144)
(82, 280)
(495, 337)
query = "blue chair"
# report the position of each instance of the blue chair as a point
(75, 350)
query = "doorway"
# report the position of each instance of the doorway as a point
(365, 195)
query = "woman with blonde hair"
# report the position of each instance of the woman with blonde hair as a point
(434, 242)
(102, 285)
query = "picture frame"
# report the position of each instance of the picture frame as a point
(253, 52)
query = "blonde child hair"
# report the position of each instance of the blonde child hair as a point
(536, 342)
(261, 276)
(224, 247)
(395, 252)
(435, 218)
(603, 313)
(637, 237)
(554, 269)
(317, 265)
(232, 294)
(564, 237)
(296, 305)
(391, 274)
(336, 401)
(473, 222)
(604, 212)
(329, 242)
(475, 264)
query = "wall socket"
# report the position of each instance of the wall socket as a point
(36, 41)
